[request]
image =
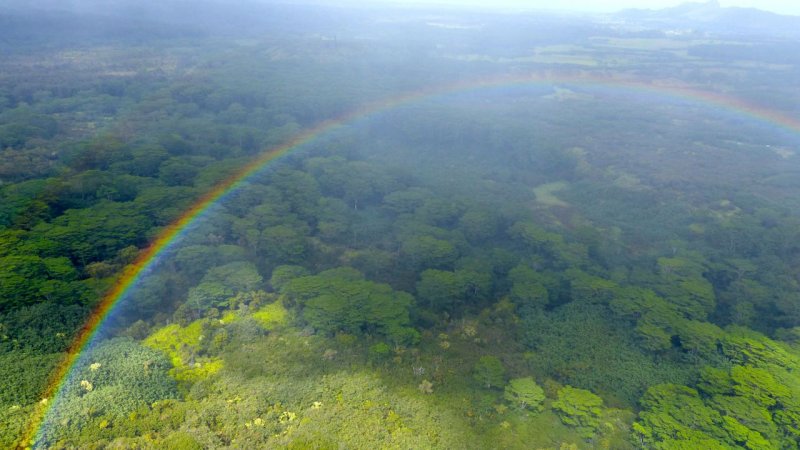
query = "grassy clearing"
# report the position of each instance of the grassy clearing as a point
(546, 193)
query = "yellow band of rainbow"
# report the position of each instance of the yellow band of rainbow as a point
(171, 233)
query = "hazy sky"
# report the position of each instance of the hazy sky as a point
(779, 6)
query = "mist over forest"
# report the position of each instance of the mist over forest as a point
(330, 225)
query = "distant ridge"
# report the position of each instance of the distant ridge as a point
(712, 17)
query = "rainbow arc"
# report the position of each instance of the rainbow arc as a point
(173, 233)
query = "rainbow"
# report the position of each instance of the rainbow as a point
(173, 233)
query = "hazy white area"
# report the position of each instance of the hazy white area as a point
(779, 6)
(791, 7)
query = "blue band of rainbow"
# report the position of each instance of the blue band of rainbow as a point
(172, 233)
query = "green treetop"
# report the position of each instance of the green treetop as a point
(525, 393)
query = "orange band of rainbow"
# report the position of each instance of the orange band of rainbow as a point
(171, 233)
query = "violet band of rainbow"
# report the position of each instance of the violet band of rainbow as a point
(172, 233)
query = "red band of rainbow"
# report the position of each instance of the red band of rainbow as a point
(171, 233)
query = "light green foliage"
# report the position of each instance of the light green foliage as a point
(489, 372)
(727, 417)
(745, 420)
(671, 411)
(741, 406)
(660, 319)
(380, 350)
(579, 408)
(744, 346)
(110, 382)
(181, 440)
(525, 393)
(604, 288)
(126, 363)
(326, 412)
(183, 347)
(272, 316)
(757, 385)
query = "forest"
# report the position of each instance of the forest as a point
(536, 233)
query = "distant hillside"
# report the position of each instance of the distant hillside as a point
(24, 23)
(713, 18)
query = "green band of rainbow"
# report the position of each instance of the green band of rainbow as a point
(172, 233)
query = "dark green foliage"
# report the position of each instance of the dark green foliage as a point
(341, 300)
(587, 347)
(537, 239)
(43, 328)
(27, 279)
(406, 201)
(283, 244)
(527, 288)
(479, 224)
(163, 204)
(222, 283)
(589, 288)
(24, 376)
(632, 260)
(684, 286)
(283, 274)
(22, 124)
(451, 291)
(429, 252)
(98, 232)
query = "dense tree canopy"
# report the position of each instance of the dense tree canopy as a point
(518, 265)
